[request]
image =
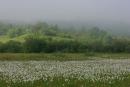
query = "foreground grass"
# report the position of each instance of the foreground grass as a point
(123, 81)
(70, 82)
(61, 56)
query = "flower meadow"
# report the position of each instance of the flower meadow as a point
(87, 73)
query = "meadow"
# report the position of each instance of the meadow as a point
(45, 55)
(64, 70)
(61, 56)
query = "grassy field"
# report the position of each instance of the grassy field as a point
(64, 70)
(61, 56)
(61, 82)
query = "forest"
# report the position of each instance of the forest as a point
(42, 37)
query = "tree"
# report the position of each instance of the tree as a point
(35, 45)
(12, 47)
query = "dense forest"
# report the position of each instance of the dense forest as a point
(48, 38)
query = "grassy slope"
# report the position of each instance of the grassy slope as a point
(5, 39)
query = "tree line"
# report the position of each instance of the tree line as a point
(39, 45)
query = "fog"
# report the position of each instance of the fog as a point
(65, 10)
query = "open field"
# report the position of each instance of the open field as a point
(64, 70)
(88, 73)
(61, 56)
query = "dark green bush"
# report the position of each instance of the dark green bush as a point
(11, 47)
(34, 45)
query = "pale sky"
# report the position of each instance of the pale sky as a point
(33, 10)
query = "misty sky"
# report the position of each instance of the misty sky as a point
(66, 10)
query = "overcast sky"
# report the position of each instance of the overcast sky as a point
(83, 10)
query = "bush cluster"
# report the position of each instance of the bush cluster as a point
(38, 45)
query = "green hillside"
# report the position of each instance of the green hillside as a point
(43, 37)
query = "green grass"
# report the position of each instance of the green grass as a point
(61, 56)
(41, 56)
(70, 82)
(4, 39)
(21, 38)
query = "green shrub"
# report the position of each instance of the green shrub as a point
(11, 47)
(34, 45)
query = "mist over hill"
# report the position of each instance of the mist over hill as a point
(115, 28)
(110, 15)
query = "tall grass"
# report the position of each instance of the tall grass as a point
(90, 73)
(61, 56)
(70, 82)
